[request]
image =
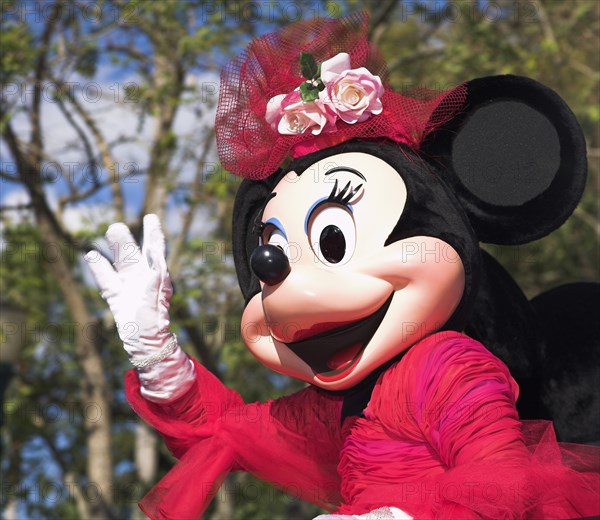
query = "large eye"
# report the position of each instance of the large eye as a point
(332, 234)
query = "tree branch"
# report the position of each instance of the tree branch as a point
(594, 153)
(168, 78)
(588, 219)
(381, 20)
(129, 50)
(549, 32)
(38, 198)
(68, 478)
(14, 146)
(40, 70)
(194, 333)
(16, 207)
(8, 177)
(412, 57)
(80, 133)
(80, 195)
(584, 69)
(107, 158)
(177, 247)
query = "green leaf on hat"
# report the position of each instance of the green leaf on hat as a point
(308, 92)
(308, 65)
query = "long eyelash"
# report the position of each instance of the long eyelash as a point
(345, 195)
(259, 226)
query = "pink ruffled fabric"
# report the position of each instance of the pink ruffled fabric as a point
(440, 439)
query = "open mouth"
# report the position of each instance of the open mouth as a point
(333, 354)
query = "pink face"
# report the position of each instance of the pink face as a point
(348, 304)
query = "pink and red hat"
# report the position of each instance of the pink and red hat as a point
(312, 85)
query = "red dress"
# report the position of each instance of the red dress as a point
(440, 438)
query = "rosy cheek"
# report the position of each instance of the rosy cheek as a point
(420, 260)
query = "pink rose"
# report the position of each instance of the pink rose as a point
(353, 94)
(289, 115)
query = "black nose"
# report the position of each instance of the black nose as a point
(270, 264)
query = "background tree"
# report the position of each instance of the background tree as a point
(107, 113)
(556, 43)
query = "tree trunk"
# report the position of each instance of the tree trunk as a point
(146, 461)
(96, 403)
(224, 500)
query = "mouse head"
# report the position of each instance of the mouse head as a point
(367, 240)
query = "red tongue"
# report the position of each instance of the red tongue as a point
(343, 357)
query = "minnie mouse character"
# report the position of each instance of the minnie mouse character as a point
(356, 243)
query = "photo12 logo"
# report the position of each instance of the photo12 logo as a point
(93, 12)
(76, 91)
(455, 12)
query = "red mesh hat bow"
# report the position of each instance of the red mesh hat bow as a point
(312, 85)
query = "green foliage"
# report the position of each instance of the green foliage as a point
(87, 60)
(556, 43)
(23, 279)
(17, 53)
(44, 406)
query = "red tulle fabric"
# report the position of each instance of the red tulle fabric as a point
(293, 442)
(440, 438)
(247, 144)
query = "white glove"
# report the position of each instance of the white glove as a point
(383, 513)
(138, 290)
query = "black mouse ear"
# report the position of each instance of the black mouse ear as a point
(515, 157)
(250, 200)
